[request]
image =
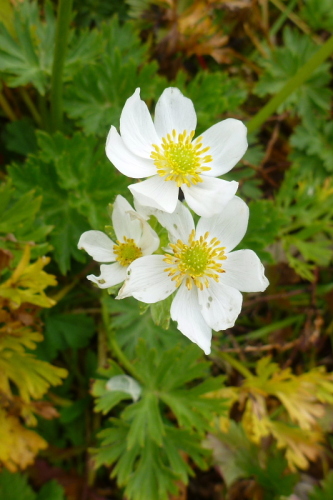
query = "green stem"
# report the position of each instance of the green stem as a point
(266, 330)
(294, 83)
(278, 24)
(235, 364)
(112, 339)
(63, 21)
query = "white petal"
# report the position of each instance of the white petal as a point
(244, 271)
(111, 275)
(124, 224)
(157, 193)
(124, 160)
(229, 226)
(149, 241)
(147, 281)
(210, 196)
(137, 128)
(220, 305)
(174, 111)
(185, 310)
(179, 224)
(227, 142)
(97, 245)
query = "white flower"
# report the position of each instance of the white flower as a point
(166, 153)
(208, 277)
(135, 239)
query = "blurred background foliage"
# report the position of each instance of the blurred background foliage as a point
(254, 421)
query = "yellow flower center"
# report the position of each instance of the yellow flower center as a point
(196, 261)
(180, 160)
(127, 251)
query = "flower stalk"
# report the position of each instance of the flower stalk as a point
(296, 81)
(112, 340)
(61, 37)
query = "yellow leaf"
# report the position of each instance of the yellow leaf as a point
(18, 445)
(28, 282)
(301, 445)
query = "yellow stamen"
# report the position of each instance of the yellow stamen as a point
(126, 251)
(196, 262)
(180, 160)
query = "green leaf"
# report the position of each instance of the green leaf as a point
(264, 224)
(51, 491)
(100, 91)
(146, 422)
(18, 217)
(65, 331)
(15, 486)
(77, 183)
(27, 56)
(213, 95)
(310, 100)
(318, 15)
(20, 137)
(132, 324)
(306, 233)
(145, 445)
(316, 141)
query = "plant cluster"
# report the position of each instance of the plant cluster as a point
(104, 398)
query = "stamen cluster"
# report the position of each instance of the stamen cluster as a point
(126, 251)
(180, 160)
(196, 261)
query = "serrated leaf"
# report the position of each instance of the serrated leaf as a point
(18, 448)
(318, 15)
(26, 57)
(77, 183)
(132, 324)
(28, 282)
(65, 331)
(312, 98)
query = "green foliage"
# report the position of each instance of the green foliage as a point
(65, 331)
(144, 443)
(99, 91)
(27, 56)
(76, 181)
(318, 15)
(264, 224)
(18, 217)
(306, 204)
(316, 142)
(15, 486)
(310, 100)
(132, 324)
(20, 137)
(92, 12)
(237, 457)
(213, 95)
(325, 491)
